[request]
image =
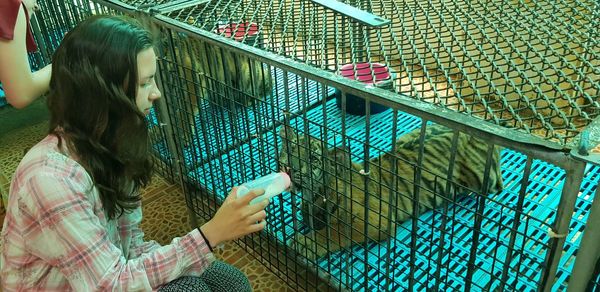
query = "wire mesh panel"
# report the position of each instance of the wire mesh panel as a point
(219, 102)
(211, 89)
(324, 220)
(53, 20)
(458, 236)
(527, 64)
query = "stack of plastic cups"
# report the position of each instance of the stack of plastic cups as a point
(245, 32)
(364, 72)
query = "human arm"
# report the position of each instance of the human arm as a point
(62, 211)
(21, 85)
(129, 227)
(236, 218)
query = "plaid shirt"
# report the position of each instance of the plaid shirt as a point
(56, 236)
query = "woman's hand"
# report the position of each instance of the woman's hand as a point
(236, 218)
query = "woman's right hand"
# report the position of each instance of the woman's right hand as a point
(236, 218)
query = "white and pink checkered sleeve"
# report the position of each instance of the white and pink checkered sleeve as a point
(65, 231)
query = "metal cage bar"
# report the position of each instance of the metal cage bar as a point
(585, 267)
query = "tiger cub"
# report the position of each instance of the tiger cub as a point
(197, 70)
(228, 80)
(249, 79)
(333, 193)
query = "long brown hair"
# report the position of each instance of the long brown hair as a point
(92, 106)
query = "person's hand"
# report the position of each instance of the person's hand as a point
(236, 218)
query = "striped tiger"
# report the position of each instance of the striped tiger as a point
(199, 70)
(333, 189)
(249, 79)
(228, 80)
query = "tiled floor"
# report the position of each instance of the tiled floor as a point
(165, 214)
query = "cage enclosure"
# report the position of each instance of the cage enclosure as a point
(469, 162)
(361, 222)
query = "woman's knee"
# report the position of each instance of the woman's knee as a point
(186, 284)
(221, 276)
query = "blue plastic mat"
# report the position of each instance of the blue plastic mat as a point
(256, 158)
(251, 119)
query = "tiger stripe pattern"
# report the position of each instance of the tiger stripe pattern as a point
(334, 193)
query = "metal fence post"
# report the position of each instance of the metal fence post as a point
(560, 230)
(589, 251)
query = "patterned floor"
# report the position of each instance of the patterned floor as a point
(165, 213)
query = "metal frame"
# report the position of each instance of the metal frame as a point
(527, 144)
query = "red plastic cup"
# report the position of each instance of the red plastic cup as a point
(376, 74)
(246, 32)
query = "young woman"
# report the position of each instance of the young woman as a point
(73, 215)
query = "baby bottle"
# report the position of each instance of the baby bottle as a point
(273, 184)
